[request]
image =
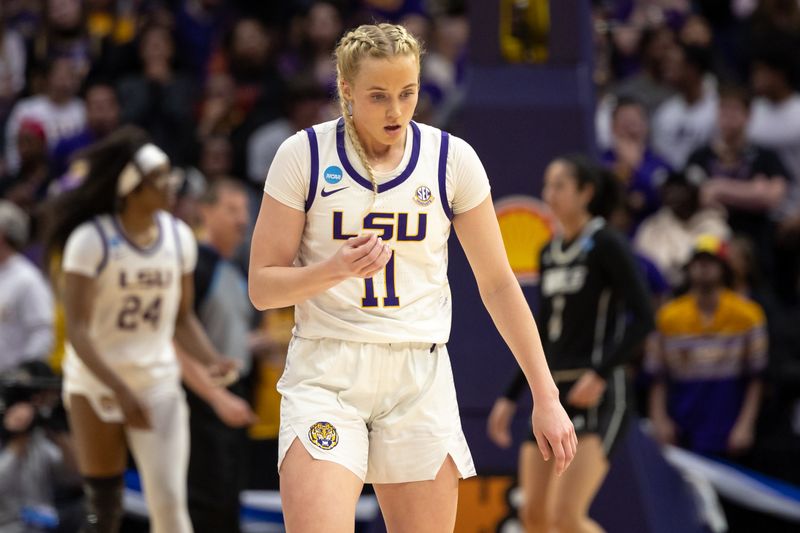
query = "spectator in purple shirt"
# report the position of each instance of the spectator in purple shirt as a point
(633, 162)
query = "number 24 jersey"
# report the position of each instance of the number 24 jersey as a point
(138, 292)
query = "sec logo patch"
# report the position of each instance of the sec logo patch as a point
(323, 435)
(423, 196)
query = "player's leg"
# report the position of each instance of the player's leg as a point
(421, 506)
(162, 457)
(576, 488)
(101, 453)
(417, 449)
(317, 494)
(323, 442)
(536, 483)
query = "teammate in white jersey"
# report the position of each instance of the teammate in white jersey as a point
(353, 231)
(127, 291)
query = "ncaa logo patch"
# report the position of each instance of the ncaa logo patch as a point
(333, 174)
(323, 435)
(423, 196)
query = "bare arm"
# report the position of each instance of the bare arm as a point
(751, 404)
(275, 282)
(79, 294)
(658, 401)
(664, 427)
(196, 376)
(231, 409)
(480, 237)
(743, 432)
(760, 193)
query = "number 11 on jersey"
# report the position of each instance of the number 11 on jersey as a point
(391, 299)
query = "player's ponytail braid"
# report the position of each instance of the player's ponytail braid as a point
(378, 41)
(350, 130)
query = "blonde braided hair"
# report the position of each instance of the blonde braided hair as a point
(378, 41)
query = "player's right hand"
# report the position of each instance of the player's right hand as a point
(135, 413)
(363, 256)
(498, 427)
(232, 410)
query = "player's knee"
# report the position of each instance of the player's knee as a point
(568, 521)
(168, 513)
(167, 500)
(534, 518)
(103, 504)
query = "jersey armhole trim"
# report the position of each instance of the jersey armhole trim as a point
(104, 258)
(312, 186)
(443, 148)
(178, 248)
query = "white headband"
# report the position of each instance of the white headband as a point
(147, 158)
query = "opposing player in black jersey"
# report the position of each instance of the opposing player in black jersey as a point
(594, 311)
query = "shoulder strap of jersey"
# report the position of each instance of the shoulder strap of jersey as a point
(312, 186)
(104, 258)
(176, 237)
(443, 149)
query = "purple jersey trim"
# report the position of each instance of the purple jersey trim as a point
(443, 174)
(312, 186)
(104, 240)
(364, 182)
(177, 238)
(144, 251)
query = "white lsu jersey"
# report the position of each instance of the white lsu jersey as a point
(138, 292)
(318, 171)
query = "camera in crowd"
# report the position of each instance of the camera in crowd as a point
(30, 397)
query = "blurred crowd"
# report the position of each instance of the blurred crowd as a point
(218, 84)
(698, 117)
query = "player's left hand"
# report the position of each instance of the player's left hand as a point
(498, 426)
(587, 391)
(554, 432)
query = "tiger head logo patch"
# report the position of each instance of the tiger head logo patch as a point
(323, 435)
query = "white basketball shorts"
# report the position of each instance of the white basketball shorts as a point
(387, 412)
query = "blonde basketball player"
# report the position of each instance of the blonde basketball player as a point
(353, 231)
(127, 291)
